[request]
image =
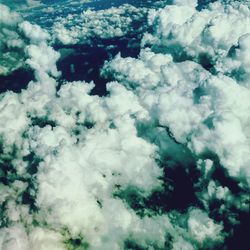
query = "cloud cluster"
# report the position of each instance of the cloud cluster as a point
(91, 24)
(203, 111)
(11, 45)
(206, 109)
(193, 79)
(80, 171)
(69, 157)
(17, 36)
(207, 37)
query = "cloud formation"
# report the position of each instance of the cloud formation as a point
(91, 24)
(80, 171)
(201, 106)
(17, 36)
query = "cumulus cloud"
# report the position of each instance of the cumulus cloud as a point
(193, 80)
(107, 23)
(19, 37)
(80, 171)
(84, 150)
(205, 36)
(11, 44)
(207, 113)
(201, 109)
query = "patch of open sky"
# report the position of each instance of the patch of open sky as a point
(83, 62)
(16, 81)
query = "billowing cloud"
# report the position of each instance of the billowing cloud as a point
(80, 171)
(11, 44)
(205, 110)
(194, 82)
(17, 37)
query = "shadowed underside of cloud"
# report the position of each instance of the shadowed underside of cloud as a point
(160, 162)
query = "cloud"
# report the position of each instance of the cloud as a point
(19, 37)
(11, 44)
(34, 32)
(71, 156)
(108, 23)
(193, 82)
(43, 58)
(200, 109)
(199, 34)
(84, 171)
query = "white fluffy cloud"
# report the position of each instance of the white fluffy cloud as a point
(19, 37)
(207, 112)
(203, 228)
(70, 160)
(108, 23)
(87, 149)
(205, 36)
(193, 80)
(11, 45)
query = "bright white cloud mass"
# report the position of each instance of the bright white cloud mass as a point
(159, 162)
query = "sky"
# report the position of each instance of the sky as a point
(124, 125)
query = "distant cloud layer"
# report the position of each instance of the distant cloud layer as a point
(113, 22)
(80, 171)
